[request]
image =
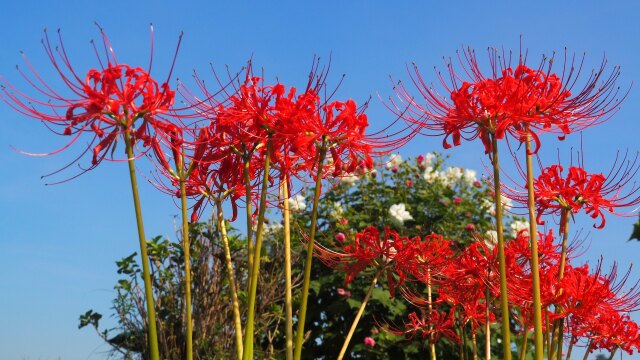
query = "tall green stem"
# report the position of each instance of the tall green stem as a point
(587, 350)
(474, 344)
(247, 196)
(154, 353)
(302, 315)
(354, 325)
(432, 343)
(523, 344)
(487, 325)
(288, 300)
(556, 343)
(572, 342)
(247, 353)
(187, 264)
(504, 296)
(535, 271)
(232, 279)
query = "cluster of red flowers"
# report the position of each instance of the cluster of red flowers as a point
(206, 143)
(520, 102)
(594, 306)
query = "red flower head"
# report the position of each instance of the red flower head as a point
(431, 325)
(519, 101)
(575, 190)
(111, 101)
(398, 256)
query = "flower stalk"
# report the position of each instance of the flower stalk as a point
(302, 314)
(187, 261)
(354, 325)
(535, 271)
(247, 353)
(154, 352)
(558, 327)
(288, 300)
(249, 212)
(232, 282)
(504, 296)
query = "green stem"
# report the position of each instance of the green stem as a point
(504, 296)
(556, 343)
(587, 350)
(561, 338)
(535, 271)
(308, 263)
(572, 342)
(354, 325)
(247, 196)
(187, 265)
(475, 345)
(463, 335)
(247, 353)
(523, 344)
(613, 353)
(146, 275)
(232, 282)
(487, 325)
(432, 343)
(288, 300)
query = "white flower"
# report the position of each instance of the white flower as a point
(491, 238)
(489, 205)
(349, 179)
(430, 176)
(469, 176)
(454, 173)
(517, 226)
(394, 160)
(506, 202)
(336, 211)
(399, 214)
(297, 203)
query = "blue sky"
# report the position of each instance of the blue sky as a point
(60, 242)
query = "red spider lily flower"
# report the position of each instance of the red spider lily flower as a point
(466, 279)
(596, 310)
(578, 190)
(581, 190)
(387, 252)
(615, 331)
(210, 173)
(368, 249)
(520, 101)
(110, 101)
(431, 325)
(518, 260)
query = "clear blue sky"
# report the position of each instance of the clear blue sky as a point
(59, 243)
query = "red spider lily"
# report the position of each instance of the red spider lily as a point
(210, 173)
(614, 331)
(110, 101)
(398, 256)
(466, 279)
(519, 101)
(368, 249)
(576, 189)
(431, 325)
(581, 190)
(518, 260)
